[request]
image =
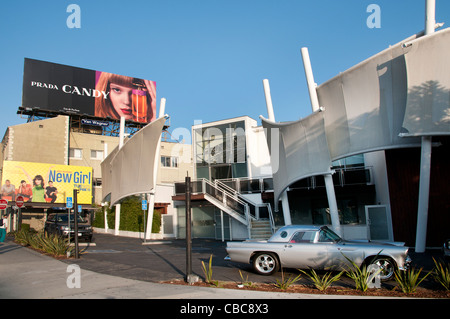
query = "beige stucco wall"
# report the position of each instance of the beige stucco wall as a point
(44, 141)
(184, 154)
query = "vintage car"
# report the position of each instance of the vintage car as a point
(317, 247)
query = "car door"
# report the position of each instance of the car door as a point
(302, 251)
(339, 252)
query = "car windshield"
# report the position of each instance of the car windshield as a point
(327, 235)
(62, 218)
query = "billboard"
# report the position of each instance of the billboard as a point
(56, 87)
(46, 183)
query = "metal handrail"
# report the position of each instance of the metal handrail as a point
(250, 202)
(232, 199)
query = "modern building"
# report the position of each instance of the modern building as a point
(376, 192)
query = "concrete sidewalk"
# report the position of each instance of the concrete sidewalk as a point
(27, 274)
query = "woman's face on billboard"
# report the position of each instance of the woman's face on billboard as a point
(121, 99)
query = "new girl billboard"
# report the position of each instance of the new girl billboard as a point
(66, 89)
(47, 183)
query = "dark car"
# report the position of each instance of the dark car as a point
(57, 223)
(446, 249)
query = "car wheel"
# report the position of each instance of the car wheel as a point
(387, 266)
(265, 263)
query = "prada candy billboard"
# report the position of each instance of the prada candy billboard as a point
(66, 89)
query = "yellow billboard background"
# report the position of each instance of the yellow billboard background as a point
(64, 178)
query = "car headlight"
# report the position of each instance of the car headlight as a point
(447, 244)
(65, 228)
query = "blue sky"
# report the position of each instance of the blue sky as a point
(208, 57)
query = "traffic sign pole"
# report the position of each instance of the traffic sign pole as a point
(19, 204)
(69, 205)
(144, 208)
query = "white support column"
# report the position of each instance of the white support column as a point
(430, 16)
(151, 208)
(334, 213)
(424, 192)
(222, 227)
(286, 209)
(105, 209)
(268, 100)
(331, 195)
(425, 160)
(271, 114)
(121, 138)
(151, 195)
(310, 80)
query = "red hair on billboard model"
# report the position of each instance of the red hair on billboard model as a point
(132, 98)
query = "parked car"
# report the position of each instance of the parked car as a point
(57, 223)
(316, 247)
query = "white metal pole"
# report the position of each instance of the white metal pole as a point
(425, 159)
(151, 201)
(284, 197)
(286, 208)
(334, 214)
(162, 108)
(310, 79)
(430, 19)
(222, 227)
(105, 210)
(331, 195)
(269, 105)
(121, 139)
(424, 191)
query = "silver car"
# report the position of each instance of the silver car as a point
(316, 247)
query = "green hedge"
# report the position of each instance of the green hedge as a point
(131, 216)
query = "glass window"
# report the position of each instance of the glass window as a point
(303, 237)
(174, 161)
(169, 161)
(326, 235)
(96, 154)
(75, 153)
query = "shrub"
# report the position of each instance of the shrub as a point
(409, 280)
(361, 276)
(207, 271)
(52, 244)
(441, 274)
(285, 283)
(131, 216)
(324, 282)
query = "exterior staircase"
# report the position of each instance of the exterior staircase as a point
(257, 217)
(261, 229)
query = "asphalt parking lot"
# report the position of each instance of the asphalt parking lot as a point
(164, 260)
